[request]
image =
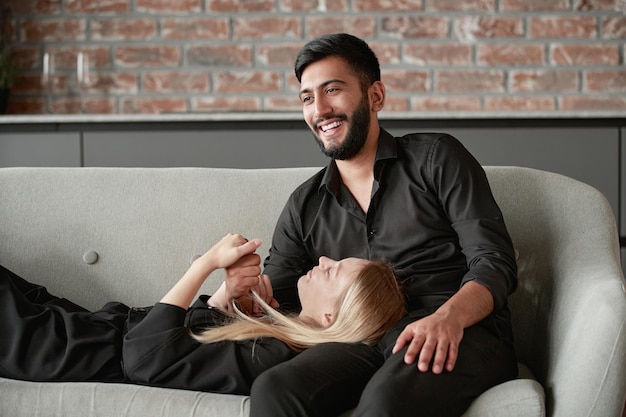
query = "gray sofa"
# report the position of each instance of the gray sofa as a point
(100, 234)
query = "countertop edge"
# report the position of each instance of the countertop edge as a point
(291, 116)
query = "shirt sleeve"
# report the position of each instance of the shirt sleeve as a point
(288, 258)
(466, 197)
(159, 351)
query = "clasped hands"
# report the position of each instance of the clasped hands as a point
(243, 276)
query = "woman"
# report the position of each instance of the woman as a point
(204, 348)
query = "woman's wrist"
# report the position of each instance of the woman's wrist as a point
(220, 301)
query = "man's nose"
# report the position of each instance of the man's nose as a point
(322, 108)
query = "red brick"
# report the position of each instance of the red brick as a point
(28, 83)
(534, 5)
(277, 54)
(563, 27)
(386, 52)
(123, 29)
(113, 83)
(388, 5)
(240, 6)
(363, 27)
(437, 54)
(529, 81)
(291, 82)
(195, 28)
(510, 54)
(99, 105)
(227, 55)
(603, 5)
(469, 81)
(247, 82)
(465, 6)
(585, 54)
(225, 104)
(396, 103)
(614, 27)
(53, 30)
(416, 27)
(468, 28)
(168, 6)
(314, 6)
(282, 104)
(26, 56)
(531, 104)
(267, 27)
(164, 82)
(147, 56)
(36, 7)
(406, 80)
(605, 81)
(594, 103)
(154, 105)
(97, 6)
(26, 105)
(445, 103)
(78, 105)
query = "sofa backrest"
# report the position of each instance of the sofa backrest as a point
(144, 225)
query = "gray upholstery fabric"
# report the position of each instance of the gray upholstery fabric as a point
(89, 399)
(127, 234)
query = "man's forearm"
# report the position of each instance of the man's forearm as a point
(472, 303)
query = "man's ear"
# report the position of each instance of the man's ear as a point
(377, 96)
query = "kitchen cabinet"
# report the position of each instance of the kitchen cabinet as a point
(40, 149)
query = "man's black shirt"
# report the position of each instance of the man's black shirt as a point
(431, 214)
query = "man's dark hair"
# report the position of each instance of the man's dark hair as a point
(357, 53)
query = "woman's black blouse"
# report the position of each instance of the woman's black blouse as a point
(159, 351)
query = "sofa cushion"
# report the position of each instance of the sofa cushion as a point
(517, 398)
(94, 399)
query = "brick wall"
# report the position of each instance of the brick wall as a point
(150, 56)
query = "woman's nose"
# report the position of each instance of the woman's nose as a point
(323, 262)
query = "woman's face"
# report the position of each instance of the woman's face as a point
(322, 287)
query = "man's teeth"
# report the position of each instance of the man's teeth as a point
(329, 126)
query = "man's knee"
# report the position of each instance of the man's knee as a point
(269, 382)
(273, 394)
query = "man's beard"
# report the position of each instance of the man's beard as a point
(356, 136)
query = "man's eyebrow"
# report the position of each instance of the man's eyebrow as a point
(324, 84)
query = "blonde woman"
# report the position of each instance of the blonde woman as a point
(216, 349)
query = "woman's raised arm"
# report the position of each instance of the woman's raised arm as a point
(223, 254)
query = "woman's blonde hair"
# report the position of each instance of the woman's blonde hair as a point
(368, 308)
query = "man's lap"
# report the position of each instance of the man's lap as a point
(329, 379)
(396, 388)
(324, 380)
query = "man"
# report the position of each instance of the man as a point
(423, 203)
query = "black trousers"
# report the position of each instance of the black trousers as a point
(328, 379)
(47, 338)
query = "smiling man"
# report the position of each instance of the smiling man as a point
(423, 203)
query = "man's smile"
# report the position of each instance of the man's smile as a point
(330, 126)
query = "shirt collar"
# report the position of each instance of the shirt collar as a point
(387, 149)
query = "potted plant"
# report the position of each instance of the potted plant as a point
(7, 67)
